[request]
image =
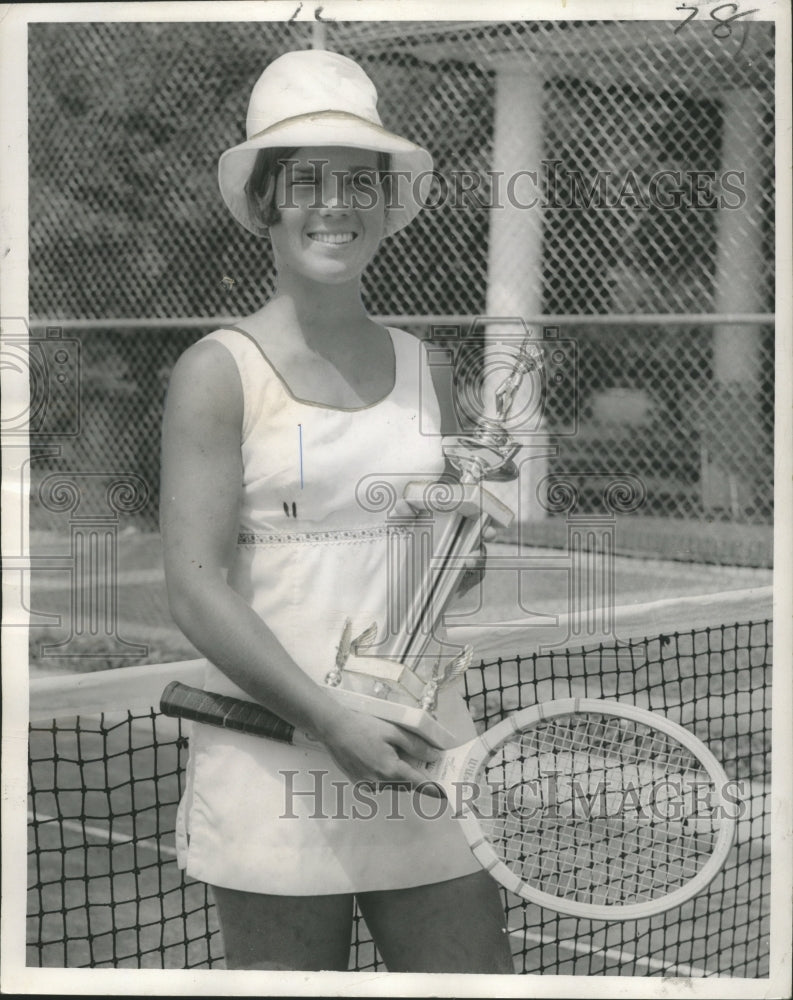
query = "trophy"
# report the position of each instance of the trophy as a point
(393, 684)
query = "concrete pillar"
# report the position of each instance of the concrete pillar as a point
(515, 252)
(732, 462)
(739, 260)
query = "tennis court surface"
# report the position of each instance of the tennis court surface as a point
(106, 772)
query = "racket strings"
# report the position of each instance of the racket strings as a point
(599, 809)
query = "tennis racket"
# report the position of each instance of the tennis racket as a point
(592, 808)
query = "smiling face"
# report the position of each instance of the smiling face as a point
(331, 211)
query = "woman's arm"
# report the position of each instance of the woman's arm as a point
(200, 491)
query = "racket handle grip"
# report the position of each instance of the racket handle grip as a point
(182, 701)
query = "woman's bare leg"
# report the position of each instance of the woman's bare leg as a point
(308, 933)
(452, 926)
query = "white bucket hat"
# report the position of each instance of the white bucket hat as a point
(319, 98)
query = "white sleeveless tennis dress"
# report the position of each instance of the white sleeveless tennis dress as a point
(313, 550)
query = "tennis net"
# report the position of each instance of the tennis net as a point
(105, 777)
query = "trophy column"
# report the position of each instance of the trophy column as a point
(387, 684)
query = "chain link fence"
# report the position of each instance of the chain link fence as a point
(615, 177)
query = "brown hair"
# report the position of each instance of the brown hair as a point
(260, 186)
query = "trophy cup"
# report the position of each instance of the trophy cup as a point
(393, 684)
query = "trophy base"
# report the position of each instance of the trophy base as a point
(415, 719)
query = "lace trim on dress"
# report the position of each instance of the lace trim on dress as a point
(338, 536)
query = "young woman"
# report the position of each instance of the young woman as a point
(274, 432)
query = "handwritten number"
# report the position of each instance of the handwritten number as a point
(724, 22)
(723, 27)
(317, 13)
(685, 6)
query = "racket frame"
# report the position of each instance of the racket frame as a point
(466, 762)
